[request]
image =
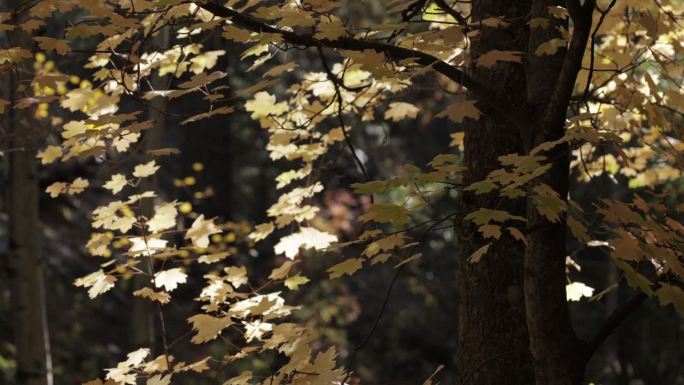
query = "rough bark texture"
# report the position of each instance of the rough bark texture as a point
(25, 263)
(556, 351)
(493, 340)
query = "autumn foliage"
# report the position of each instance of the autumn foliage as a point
(615, 114)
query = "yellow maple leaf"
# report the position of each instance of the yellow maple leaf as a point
(550, 47)
(308, 238)
(330, 28)
(399, 110)
(52, 44)
(205, 115)
(145, 170)
(164, 218)
(294, 282)
(97, 245)
(457, 112)
(280, 69)
(200, 231)
(490, 58)
(490, 231)
(146, 292)
(670, 294)
(76, 187)
(256, 329)
(213, 258)
(349, 267)
(169, 279)
(261, 231)
(283, 270)
(237, 276)
(477, 255)
(207, 327)
(386, 213)
(77, 99)
(116, 183)
(98, 282)
(263, 105)
(324, 369)
(145, 246)
(49, 154)
(428, 381)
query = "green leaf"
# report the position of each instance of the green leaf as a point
(372, 187)
(669, 294)
(483, 216)
(482, 187)
(294, 282)
(387, 213)
(349, 267)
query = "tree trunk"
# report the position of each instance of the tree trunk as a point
(34, 365)
(493, 340)
(143, 325)
(558, 355)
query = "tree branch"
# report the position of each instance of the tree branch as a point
(612, 322)
(442, 4)
(603, 13)
(581, 15)
(394, 53)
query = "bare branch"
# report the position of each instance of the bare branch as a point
(442, 4)
(612, 322)
(603, 13)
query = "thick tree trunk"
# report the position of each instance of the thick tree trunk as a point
(492, 331)
(34, 365)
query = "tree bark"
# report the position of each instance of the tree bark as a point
(31, 341)
(492, 332)
(556, 351)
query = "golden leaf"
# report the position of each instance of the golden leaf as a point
(164, 218)
(399, 111)
(145, 170)
(490, 58)
(477, 255)
(307, 238)
(207, 327)
(457, 112)
(200, 231)
(52, 44)
(160, 296)
(386, 213)
(349, 267)
(49, 154)
(116, 183)
(294, 282)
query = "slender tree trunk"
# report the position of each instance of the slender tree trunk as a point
(34, 365)
(143, 326)
(493, 340)
(558, 355)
